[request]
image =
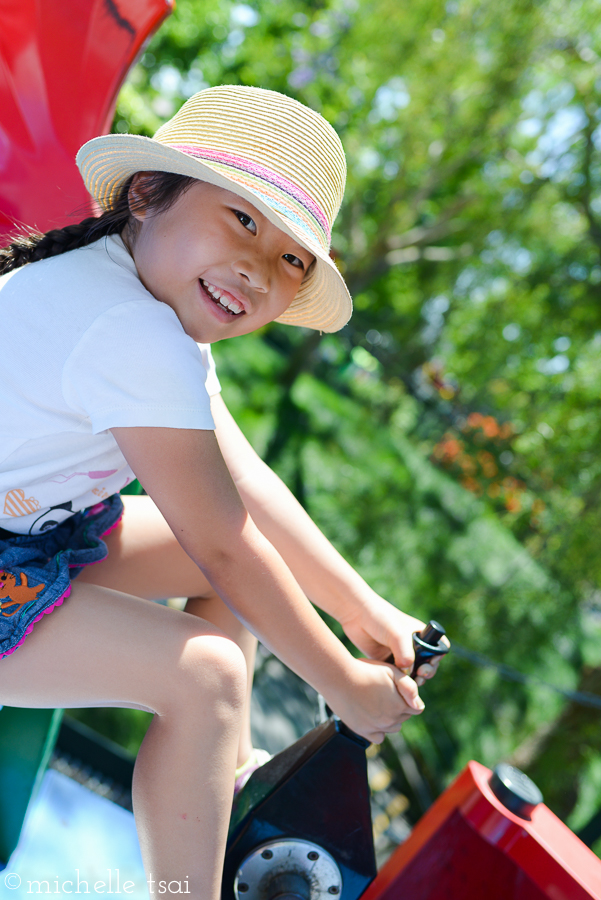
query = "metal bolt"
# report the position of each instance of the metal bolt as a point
(312, 855)
(242, 887)
(334, 889)
(267, 854)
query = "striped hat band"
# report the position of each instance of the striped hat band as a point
(276, 191)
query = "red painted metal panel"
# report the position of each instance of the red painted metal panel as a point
(61, 67)
(469, 846)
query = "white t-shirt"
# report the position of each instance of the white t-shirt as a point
(86, 348)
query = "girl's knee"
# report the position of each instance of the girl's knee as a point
(213, 667)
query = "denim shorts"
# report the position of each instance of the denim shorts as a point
(36, 570)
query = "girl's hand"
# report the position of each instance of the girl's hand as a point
(376, 699)
(380, 630)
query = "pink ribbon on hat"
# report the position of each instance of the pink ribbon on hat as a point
(290, 199)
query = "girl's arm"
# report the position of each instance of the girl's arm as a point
(186, 476)
(375, 626)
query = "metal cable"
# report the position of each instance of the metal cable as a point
(584, 698)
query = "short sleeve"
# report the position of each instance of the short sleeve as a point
(136, 366)
(212, 383)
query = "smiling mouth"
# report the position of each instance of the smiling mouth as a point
(227, 303)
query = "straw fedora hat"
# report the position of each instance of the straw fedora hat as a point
(281, 156)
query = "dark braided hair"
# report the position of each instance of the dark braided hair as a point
(158, 190)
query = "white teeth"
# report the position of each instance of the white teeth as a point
(231, 305)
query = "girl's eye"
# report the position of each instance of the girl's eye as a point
(294, 260)
(246, 220)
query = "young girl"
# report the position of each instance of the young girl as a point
(213, 228)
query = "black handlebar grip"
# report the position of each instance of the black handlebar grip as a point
(428, 643)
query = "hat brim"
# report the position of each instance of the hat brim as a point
(323, 301)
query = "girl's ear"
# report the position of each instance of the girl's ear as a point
(137, 195)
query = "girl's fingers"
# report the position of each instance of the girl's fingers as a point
(431, 667)
(426, 671)
(407, 688)
(403, 653)
(403, 657)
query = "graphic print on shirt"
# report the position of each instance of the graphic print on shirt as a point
(16, 504)
(14, 596)
(60, 512)
(61, 479)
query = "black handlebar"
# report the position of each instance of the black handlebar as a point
(428, 643)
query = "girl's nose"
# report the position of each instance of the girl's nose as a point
(255, 273)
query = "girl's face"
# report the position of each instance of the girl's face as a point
(217, 262)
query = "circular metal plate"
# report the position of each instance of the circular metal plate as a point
(288, 870)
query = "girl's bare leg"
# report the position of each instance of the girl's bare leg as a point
(214, 610)
(102, 648)
(146, 560)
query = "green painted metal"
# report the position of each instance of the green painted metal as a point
(27, 737)
(134, 488)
